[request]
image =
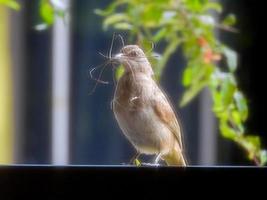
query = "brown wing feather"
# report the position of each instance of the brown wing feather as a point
(166, 114)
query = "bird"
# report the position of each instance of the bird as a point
(143, 111)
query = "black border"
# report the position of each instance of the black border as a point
(116, 181)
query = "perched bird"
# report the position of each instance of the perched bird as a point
(143, 112)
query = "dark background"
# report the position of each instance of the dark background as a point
(251, 73)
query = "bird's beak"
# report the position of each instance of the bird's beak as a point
(118, 57)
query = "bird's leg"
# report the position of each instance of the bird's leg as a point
(157, 159)
(155, 163)
(136, 156)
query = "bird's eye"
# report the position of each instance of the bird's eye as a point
(133, 54)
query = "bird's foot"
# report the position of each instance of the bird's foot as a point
(150, 164)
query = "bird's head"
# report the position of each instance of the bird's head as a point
(134, 60)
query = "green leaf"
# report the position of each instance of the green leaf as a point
(216, 79)
(162, 2)
(123, 26)
(47, 12)
(11, 4)
(225, 84)
(218, 107)
(227, 131)
(215, 84)
(252, 143)
(195, 5)
(236, 117)
(213, 6)
(119, 72)
(198, 77)
(110, 9)
(229, 20)
(113, 19)
(228, 89)
(231, 58)
(236, 120)
(241, 104)
(151, 15)
(187, 77)
(192, 92)
(263, 157)
(159, 34)
(241, 129)
(100, 12)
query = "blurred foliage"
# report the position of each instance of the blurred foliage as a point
(191, 24)
(11, 4)
(48, 10)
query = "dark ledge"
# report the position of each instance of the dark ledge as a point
(60, 181)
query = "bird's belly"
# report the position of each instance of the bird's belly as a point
(144, 130)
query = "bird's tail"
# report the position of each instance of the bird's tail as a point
(175, 157)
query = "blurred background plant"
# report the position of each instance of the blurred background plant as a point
(49, 10)
(192, 25)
